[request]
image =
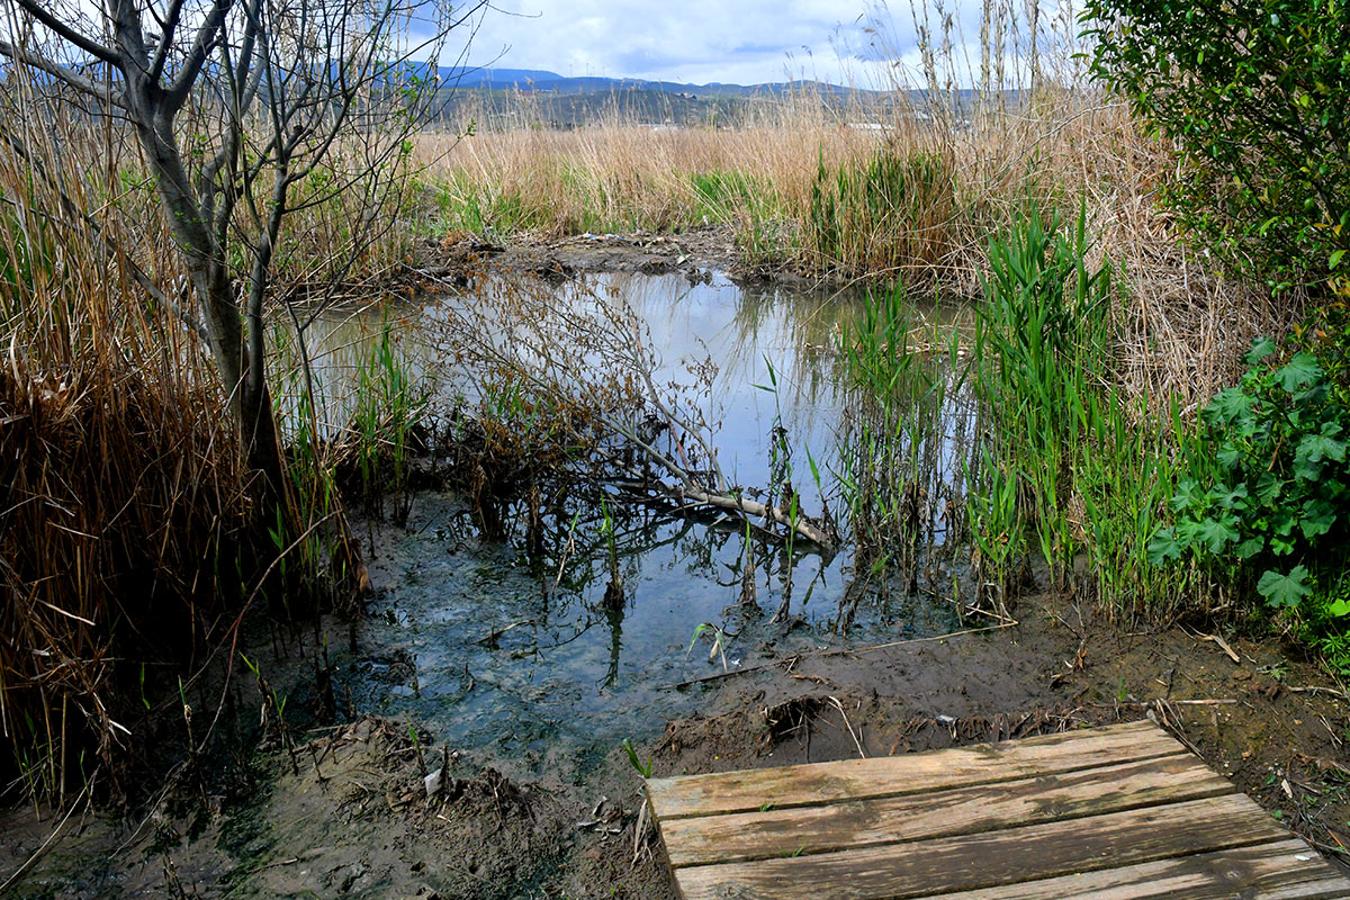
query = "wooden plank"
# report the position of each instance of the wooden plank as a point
(894, 776)
(969, 862)
(1280, 871)
(815, 829)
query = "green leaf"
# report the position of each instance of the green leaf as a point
(1268, 488)
(1212, 534)
(1188, 496)
(1339, 609)
(1260, 349)
(1284, 591)
(1313, 449)
(1229, 406)
(1299, 372)
(1250, 547)
(1164, 548)
(1318, 517)
(1281, 546)
(1336, 258)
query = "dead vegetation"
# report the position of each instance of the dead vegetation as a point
(569, 382)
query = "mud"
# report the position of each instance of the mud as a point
(694, 254)
(356, 820)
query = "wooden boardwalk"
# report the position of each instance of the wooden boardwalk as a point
(1121, 811)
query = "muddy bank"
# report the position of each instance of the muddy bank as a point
(694, 254)
(353, 817)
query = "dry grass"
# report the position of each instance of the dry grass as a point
(1185, 324)
(121, 487)
(127, 539)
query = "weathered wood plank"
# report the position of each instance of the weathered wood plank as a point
(1283, 870)
(814, 829)
(969, 862)
(818, 783)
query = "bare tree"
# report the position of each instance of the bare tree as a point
(237, 105)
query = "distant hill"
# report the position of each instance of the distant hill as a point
(551, 82)
(492, 98)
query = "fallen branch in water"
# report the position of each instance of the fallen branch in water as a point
(491, 638)
(583, 367)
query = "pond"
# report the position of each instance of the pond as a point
(497, 648)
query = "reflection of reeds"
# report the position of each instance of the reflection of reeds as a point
(905, 446)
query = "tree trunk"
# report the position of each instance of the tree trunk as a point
(242, 373)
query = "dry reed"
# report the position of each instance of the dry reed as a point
(127, 537)
(121, 488)
(1030, 131)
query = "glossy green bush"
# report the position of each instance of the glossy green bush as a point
(1254, 96)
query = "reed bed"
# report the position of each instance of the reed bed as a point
(122, 494)
(916, 200)
(129, 537)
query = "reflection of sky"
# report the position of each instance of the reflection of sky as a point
(574, 679)
(743, 330)
(745, 333)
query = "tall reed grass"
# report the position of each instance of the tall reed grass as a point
(984, 452)
(127, 534)
(122, 496)
(1072, 469)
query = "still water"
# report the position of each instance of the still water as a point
(501, 651)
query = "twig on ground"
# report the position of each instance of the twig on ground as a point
(839, 651)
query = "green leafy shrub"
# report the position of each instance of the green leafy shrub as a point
(1253, 94)
(1270, 498)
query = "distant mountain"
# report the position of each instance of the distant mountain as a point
(474, 76)
(551, 82)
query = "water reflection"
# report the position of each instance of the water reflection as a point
(513, 643)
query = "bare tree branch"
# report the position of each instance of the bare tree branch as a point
(69, 77)
(168, 27)
(207, 35)
(39, 9)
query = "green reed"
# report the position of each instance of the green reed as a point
(905, 440)
(1079, 473)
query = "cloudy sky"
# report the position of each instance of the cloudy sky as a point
(698, 41)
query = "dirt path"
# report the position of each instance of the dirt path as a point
(355, 818)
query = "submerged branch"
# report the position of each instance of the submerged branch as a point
(584, 369)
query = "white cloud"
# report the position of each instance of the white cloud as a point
(743, 41)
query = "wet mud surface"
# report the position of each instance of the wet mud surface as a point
(353, 816)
